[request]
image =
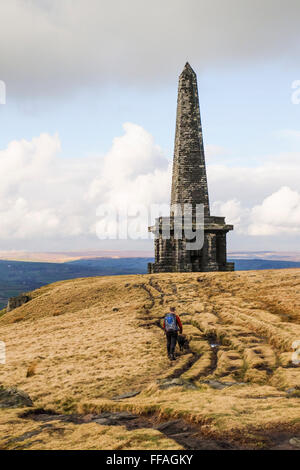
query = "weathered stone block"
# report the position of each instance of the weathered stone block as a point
(15, 302)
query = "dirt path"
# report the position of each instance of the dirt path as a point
(187, 435)
(237, 343)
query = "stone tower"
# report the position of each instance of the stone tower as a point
(189, 187)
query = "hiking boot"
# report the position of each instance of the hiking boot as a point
(173, 358)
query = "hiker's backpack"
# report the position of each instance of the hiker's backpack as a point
(170, 322)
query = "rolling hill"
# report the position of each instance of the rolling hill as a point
(90, 353)
(21, 276)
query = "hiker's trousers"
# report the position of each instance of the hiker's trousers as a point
(171, 341)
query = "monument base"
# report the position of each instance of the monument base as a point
(172, 254)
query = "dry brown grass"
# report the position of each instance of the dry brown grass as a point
(62, 436)
(80, 342)
(229, 362)
(31, 369)
(89, 348)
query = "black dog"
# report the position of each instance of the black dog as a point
(182, 342)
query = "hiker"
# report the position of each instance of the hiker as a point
(171, 326)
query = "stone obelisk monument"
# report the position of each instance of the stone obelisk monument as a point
(189, 187)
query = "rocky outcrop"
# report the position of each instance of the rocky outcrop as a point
(15, 302)
(295, 442)
(134, 393)
(13, 398)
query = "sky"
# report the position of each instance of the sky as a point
(89, 117)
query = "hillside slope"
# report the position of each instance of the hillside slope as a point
(17, 277)
(80, 343)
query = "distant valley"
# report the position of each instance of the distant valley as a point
(23, 276)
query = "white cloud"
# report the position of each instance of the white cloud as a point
(135, 169)
(46, 197)
(261, 200)
(38, 198)
(134, 172)
(22, 221)
(25, 161)
(233, 211)
(278, 214)
(251, 184)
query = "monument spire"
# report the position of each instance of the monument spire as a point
(175, 253)
(189, 181)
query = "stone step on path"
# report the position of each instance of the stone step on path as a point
(295, 442)
(217, 385)
(131, 394)
(185, 434)
(12, 397)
